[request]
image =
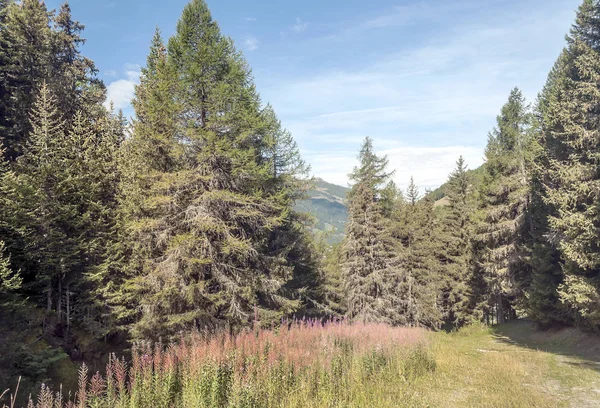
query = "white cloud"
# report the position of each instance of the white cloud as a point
(424, 104)
(251, 43)
(300, 25)
(250, 19)
(430, 166)
(110, 73)
(122, 91)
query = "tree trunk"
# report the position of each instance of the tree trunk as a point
(59, 301)
(49, 303)
(500, 309)
(68, 308)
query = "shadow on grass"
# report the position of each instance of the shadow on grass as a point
(576, 348)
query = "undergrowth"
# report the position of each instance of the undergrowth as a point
(301, 364)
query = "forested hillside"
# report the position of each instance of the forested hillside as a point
(327, 203)
(191, 220)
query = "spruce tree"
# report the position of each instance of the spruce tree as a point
(571, 142)
(25, 43)
(37, 46)
(9, 280)
(67, 208)
(543, 303)
(456, 247)
(417, 230)
(502, 252)
(206, 229)
(369, 268)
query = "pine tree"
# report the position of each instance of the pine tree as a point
(206, 229)
(25, 42)
(67, 208)
(417, 230)
(543, 303)
(38, 47)
(572, 142)
(72, 76)
(143, 163)
(369, 268)
(501, 251)
(292, 239)
(456, 247)
(9, 280)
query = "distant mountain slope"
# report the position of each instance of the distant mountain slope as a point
(327, 203)
(440, 193)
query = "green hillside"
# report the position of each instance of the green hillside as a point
(440, 193)
(326, 202)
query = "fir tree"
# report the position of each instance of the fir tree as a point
(209, 257)
(571, 140)
(456, 254)
(37, 46)
(543, 301)
(369, 269)
(502, 254)
(9, 281)
(67, 212)
(417, 231)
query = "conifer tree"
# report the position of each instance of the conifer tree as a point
(209, 257)
(369, 268)
(417, 230)
(543, 303)
(25, 43)
(501, 251)
(456, 243)
(37, 46)
(571, 141)
(9, 281)
(67, 209)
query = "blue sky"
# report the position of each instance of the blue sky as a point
(424, 78)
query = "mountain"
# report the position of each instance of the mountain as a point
(327, 203)
(439, 195)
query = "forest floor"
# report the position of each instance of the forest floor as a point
(512, 365)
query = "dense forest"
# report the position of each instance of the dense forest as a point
(185, 218)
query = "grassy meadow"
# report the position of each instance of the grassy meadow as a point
(307, 364)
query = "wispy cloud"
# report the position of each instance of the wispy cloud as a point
(250, 19)
(428, 101)
(251, 43)
(300, 25)
(430, 166)
(122, 91)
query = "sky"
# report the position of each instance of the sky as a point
(424, 78)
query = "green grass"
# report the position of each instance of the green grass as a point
(484, 367)
(344, 365)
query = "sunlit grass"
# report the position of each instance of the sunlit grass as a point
(302, 364)
(307, 364)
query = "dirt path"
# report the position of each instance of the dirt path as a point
(573, 356)
(514, 366)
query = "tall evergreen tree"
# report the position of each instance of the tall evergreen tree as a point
(67, 211)
(456, 250)
(417, 230)
(572, 142)
(502, 253)
(37, 46)
(209, 214)
(543, 301)
(369, 268)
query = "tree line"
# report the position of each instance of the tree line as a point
(521, 237)
(112, 232)
(184, 218)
